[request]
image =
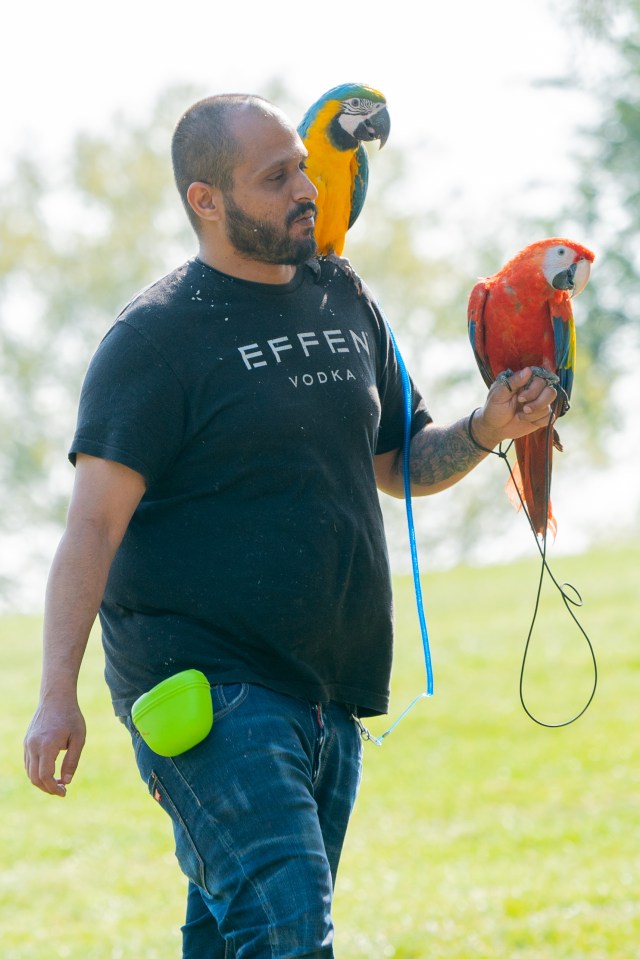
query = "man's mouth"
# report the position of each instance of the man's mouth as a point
(305, 213)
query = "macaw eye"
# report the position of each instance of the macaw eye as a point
(354, 102)
(561, 251)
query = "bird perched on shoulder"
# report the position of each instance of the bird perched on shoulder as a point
(522, 317)
(333, 131)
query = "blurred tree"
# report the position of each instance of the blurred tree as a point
(607, 202)
(75, 244)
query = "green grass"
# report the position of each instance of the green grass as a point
(478, 834)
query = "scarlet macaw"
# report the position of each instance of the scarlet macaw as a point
(333, 130)
(522, 316)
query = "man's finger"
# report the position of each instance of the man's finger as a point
(44, 769)
(71, 759)
(40, 764)
(543, 402)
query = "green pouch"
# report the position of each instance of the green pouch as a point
(175, 715)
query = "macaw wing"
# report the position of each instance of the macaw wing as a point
(564, 337)
(359, 182)
(475, 322)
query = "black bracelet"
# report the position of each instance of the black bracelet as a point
(471, 436)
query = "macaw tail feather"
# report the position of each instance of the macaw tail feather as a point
(530, 480)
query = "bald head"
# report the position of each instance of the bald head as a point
(206, 147)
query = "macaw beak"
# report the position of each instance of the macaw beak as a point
(574, 278)
(375, 127)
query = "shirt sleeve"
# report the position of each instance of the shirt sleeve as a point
(392, 394)
(132, 405)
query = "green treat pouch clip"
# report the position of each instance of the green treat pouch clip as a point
(175, 715)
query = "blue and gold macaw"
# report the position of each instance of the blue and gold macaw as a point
(333, 131)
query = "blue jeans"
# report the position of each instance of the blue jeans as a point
(259, 811)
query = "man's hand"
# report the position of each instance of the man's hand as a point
(56, 727)
(516, 405)
(105, 495)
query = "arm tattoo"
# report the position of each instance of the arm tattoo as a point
(438, 453)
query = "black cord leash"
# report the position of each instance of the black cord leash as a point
(563, 588)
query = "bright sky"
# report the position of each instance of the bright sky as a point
(457, 77)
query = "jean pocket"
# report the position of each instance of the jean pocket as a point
(189, 859)
(227, 697)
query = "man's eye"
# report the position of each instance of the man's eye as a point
(277, 176)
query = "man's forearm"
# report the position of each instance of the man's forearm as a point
(74, 592)
(442, 455)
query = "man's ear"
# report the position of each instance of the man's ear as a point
(205, 200)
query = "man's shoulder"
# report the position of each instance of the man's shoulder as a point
(162, 294)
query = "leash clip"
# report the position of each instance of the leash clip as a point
(367, 736)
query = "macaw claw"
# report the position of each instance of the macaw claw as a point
(540, 371)
(504, 379)
(547, 375)
(562, 404)
(343, 263)
(314, 265)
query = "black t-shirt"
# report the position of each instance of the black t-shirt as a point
(257, 553)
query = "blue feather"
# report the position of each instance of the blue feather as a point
(360, 184)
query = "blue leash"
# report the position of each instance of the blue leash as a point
(406, 475)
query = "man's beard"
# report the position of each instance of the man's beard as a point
(264, 242)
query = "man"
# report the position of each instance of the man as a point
(233, 427)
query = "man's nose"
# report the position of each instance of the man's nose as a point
(305, 188)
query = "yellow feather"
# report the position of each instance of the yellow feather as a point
(330, 171)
